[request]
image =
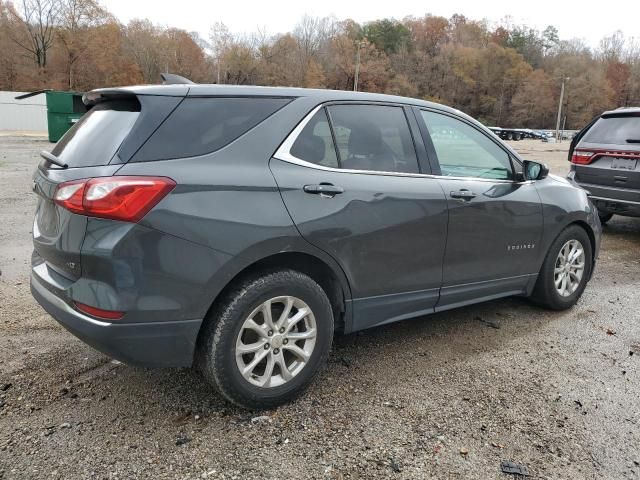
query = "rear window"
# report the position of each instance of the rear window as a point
(203, 125)
(614, 130)
(96, 137)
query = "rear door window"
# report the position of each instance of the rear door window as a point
(96, 137)
(203, 125)
(315, 143)
(373, 137)
(614, 130)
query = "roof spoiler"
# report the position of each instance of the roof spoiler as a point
(622, 112)
(173, 79)
(105, 94)
(120, 93)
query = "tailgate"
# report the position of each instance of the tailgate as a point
(612, 170)
(57, 233)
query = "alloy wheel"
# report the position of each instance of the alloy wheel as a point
(569, 268)
(276, 341)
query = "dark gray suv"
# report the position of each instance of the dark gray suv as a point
(236, 229)
(605, 158)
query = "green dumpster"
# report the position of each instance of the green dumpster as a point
(64, 109)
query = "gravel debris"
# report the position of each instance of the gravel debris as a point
(400, 401)
(261, 419)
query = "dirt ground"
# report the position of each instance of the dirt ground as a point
(450, 395)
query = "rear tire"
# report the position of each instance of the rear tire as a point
(558, 286)
(284, 353)
(604, 217)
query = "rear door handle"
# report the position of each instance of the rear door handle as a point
(324, 189)
(463, 194)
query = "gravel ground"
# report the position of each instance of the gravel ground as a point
(450, 395)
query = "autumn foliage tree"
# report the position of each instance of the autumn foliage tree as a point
(11, 74)
(504, 74)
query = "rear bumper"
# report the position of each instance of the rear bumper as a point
(611, 205)
(150, 344)
(621, 201)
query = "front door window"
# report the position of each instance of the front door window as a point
(464, 151)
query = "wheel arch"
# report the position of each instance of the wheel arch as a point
(584, 225)
(592, 239)
(332, 282)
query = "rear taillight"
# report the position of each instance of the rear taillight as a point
(585, 157)
(99, 312)
(119, 198)
(582, 157)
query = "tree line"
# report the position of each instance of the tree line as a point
(505, 74)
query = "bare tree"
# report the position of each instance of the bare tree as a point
(142, 43)
(314, 33)
(220, 40)
(76, 19)
(314, 37)
(612, 47)
(39, 18)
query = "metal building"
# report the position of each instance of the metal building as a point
(28, 115)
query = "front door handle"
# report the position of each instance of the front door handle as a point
(324, 189)
(463, 194)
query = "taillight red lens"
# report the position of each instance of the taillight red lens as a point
(585, 157)
(119, 198)
(581, 157)
(99, 312)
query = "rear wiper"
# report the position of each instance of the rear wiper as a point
(50, 157)
(633, 140)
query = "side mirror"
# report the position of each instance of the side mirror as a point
(535, 170)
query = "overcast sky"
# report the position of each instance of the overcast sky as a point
(244, 16)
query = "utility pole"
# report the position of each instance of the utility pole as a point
(355, 77)
(501, 101)
(560, 108)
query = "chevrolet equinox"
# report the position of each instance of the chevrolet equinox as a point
(236, 229)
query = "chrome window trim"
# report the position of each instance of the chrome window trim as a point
(284, 153)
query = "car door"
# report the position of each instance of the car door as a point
(350, 178)
(495, 217)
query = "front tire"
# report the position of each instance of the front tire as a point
(565, 271)
(267, 339)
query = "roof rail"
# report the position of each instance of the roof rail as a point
(173, 79)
